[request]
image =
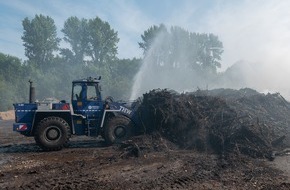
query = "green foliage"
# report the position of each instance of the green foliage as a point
(6, 96)
(76, 34)
(209, 51)
(151, 35)
(93, 52)
(12, 81)
(93, 39)
(103, 41)
(40, 39)
(122, 73)
(117, 78)
(180, 49)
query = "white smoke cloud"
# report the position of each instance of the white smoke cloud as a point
(259, 33)
(251, 30)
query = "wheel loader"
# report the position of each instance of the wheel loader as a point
(86, 114)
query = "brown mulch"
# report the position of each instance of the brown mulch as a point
(221, 121)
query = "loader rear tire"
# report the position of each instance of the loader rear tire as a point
(118, 129)
(52, 133)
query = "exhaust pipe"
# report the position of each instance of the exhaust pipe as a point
(31, 93)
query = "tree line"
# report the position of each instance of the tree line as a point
(91, 48)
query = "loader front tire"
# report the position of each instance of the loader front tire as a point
(118, 129)
(52, 133)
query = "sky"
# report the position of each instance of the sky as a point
(248, 29)
(257, 32)
(130, 18)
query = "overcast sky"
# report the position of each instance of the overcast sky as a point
(250, 30)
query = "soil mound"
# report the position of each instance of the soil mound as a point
(223, 120)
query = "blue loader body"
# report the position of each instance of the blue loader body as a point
(87, 114)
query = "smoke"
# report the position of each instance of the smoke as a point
(257, 32)
(256, 39)
(178, 75)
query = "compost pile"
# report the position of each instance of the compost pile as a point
(221, 121)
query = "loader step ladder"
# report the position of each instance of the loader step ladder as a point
(92, 126)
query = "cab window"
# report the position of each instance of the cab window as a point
(92, 92)
(77, 92)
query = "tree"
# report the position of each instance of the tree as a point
(122, 72)
(150, 36)
(10, 68)
(13, 80)
(180, 49)
(209, 52)
(91, 39)
(155, 44)
(102, 41)
(40, 39)
(181, 52)
(76, 34)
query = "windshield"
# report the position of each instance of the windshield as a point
(88, 91)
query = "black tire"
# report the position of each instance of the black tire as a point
(118, 129)
(52, 133)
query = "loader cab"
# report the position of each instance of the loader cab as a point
(86, 95)
(87, 101)
(85, 92)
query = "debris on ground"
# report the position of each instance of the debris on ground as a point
(213, 139)
(223, 120)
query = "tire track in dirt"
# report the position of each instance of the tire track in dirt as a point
(172, 180)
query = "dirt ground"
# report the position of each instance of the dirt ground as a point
(88, 164)
(7, 115)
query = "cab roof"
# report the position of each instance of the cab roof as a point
(89, 79)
